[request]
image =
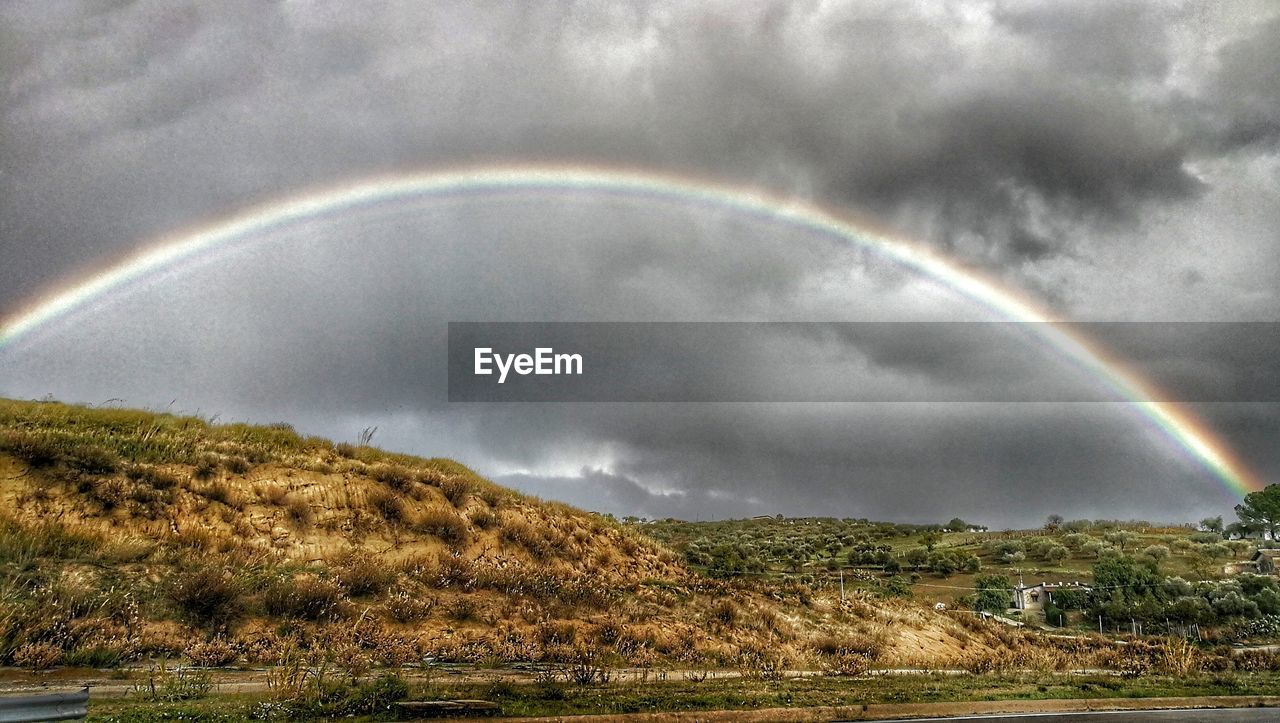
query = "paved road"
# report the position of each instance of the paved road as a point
(1216, 715)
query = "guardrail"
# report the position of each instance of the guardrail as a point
(46, 706)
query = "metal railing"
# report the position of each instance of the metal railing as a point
(46, 706)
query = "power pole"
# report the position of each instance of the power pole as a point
(842, 586)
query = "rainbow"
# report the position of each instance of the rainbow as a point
(1176, 424)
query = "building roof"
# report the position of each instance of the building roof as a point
(1272, 554)
(1052, 585)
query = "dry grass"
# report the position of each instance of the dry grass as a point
(388, 505)
(442, 522)
(363, 573)
(390, 554)
(304, 597)
(208, 596)
(299, 510)
(457, 490)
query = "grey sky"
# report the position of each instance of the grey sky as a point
(1116, 161)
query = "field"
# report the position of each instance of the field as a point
(931, 564)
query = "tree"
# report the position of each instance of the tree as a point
(1124, 578)
(1216, 551)
(994, 593)
(1233, 604)
(917, 556)
(957, 525)
(1120, 538)
(1212, 524)
(943, 562)
(1261, 510)
(1070, 598)
(1076, 540)
(1054, 615)
(1156, 552)
(930, 540)
(1054, 553)
(1053, 523)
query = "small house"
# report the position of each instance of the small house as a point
(1266, 561)
(1036, 597)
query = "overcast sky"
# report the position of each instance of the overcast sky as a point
(1114, 161)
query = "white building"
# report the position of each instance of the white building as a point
(1035, 597)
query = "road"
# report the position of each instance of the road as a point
(1204, 715)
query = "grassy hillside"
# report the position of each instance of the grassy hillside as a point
(128, 535)
(130, 538)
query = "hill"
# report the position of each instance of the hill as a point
(130, 535)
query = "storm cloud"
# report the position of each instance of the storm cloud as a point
(1116, 162)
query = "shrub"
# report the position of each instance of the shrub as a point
(456, 490)
(725, 613)
(206, 466)
(405, 606)
(995, 661)
(152, 477)
(759, 662)
(388, 505)
(462, 609)
(219, 492)
(329, 700)
(90, 460)
(37, 656)
(1258, 660)
(394, 476)
(847, 663)
(588, 665)
(206, 595)
(37, 451)
(377, 696)
(363, 574)
(216, 653)
(166, 686)
(517, 530)
(96, 656)
(304, 597)
(491, 495)
(850, 654)
(108, 493)
(484, 518)
(299, 509)
(272, 494)
(442, 522)
(1054, 615)
(236, 465)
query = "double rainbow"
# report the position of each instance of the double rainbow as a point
(1175, 423)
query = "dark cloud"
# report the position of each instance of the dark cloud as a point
(1114, 160)
(995, 134)
(1098, 40)
(1243, 103)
